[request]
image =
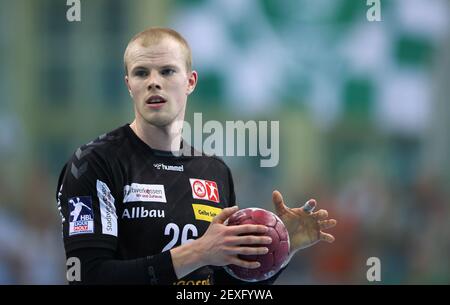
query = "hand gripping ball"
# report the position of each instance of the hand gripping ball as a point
(278, 253)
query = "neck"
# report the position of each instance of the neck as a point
(166, 138)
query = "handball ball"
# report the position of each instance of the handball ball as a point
(278, 253)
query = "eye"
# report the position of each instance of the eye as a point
(167, 71)
(140, 73)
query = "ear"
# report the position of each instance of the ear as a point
(192, 82)
(128, 85)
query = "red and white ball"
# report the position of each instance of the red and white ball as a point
(278, 253)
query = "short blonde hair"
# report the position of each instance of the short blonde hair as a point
(154, 35)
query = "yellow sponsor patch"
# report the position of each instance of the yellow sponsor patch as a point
(205, 212)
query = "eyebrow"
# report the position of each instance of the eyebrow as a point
(174, 67)
(169, 66)
(139, 68)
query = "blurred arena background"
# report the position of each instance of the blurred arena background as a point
(363, 109)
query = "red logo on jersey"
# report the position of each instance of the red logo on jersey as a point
(204, 189)
(199, 189)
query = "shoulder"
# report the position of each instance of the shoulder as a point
(98, 153)
(211, 159)
(219, 161)
(105, 145)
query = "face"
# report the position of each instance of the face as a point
(159, 82)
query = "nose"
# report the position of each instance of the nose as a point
(153, 82)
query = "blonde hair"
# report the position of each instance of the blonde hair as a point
(154, 35)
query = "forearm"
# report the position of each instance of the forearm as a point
(98, 266)
(186, 259)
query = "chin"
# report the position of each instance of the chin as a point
(159, 120)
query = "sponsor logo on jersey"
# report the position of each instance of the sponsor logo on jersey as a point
(144, 193)
(204, 189)
(205, 212)
(107, 209)
(175, 168)
(81, 220)
(205, 281)
(141, 212)
(59, 205)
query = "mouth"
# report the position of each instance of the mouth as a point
(155, 102)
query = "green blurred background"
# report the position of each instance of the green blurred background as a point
(363, 109)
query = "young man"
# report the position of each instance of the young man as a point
(142, 192)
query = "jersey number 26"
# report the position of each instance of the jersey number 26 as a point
(172, 227)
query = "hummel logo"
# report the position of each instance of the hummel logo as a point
(78, 171)
(81, 153)
(176, 168)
